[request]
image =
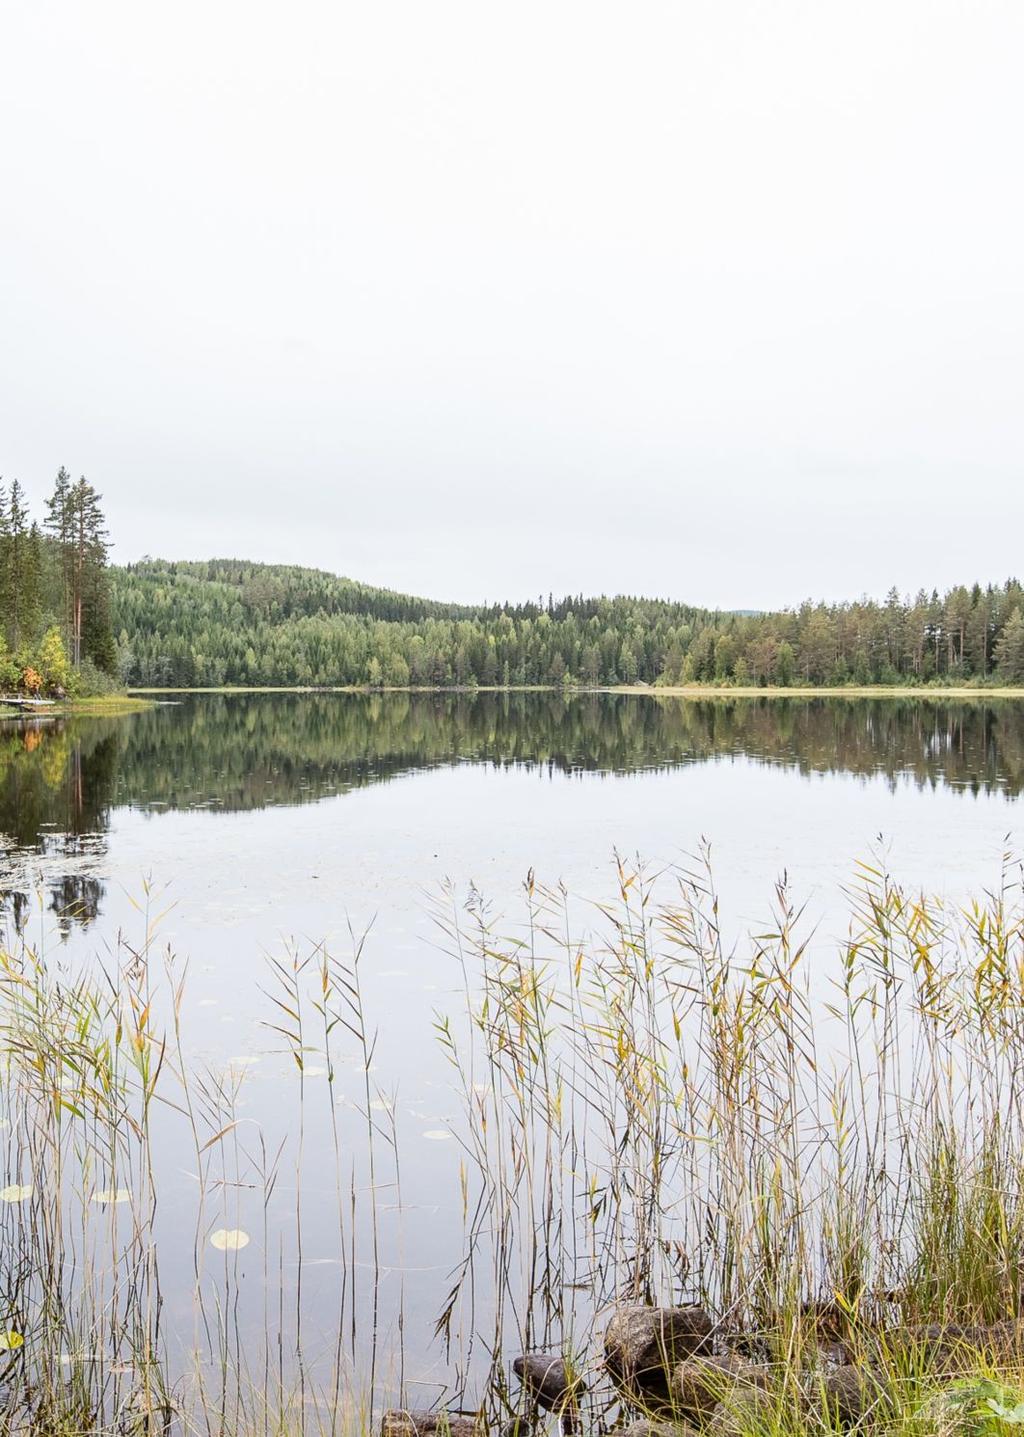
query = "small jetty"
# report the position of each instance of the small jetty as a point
(29, 705)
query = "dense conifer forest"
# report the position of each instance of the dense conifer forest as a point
(70, 623)
(231, 622)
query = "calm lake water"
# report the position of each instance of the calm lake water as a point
(252, 828)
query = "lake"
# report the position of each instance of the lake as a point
(244, 835)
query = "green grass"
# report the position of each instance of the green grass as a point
(112, 705)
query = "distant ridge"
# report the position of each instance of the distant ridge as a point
(230, 621)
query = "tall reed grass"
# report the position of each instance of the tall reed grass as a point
(819, 1142)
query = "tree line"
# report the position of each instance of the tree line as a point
(55, 628)
(967, 635)
(228, 622)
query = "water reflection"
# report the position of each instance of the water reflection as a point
(61, 780)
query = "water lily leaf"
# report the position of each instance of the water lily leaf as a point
(229, 1239)
(11, 1341)
(437, 1135)
(16, 1192)
(111, 1195)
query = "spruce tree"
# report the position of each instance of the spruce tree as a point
(5, 566)
(1010, 649)
(17, 556)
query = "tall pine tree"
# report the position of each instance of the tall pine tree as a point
(79, 531)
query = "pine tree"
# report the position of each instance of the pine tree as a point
(76, 524)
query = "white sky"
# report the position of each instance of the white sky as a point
(716, 300)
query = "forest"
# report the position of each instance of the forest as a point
(224, 622)
(55, 631)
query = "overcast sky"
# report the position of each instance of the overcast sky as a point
(721, 301)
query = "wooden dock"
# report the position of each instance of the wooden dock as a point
(23, 703)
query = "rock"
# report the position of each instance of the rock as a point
(548, 1384)
(849, 1392)
(956, 1345)
(747, 1411)
(405, 1422)
(544, 1378)
(647, 1427)
(700, 1383)
(643, 1344)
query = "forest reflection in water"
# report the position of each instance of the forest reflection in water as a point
(60, 780)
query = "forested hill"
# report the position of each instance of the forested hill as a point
(231, 622)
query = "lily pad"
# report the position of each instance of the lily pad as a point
(16, 1192)
(229, 1239)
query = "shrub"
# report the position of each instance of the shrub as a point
(53, 663)
(91, 681)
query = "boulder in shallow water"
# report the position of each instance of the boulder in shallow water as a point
(545, 1378)
(648, 1427)
(700, 1383)
(955, 1346)
(407, 1422)
(849, 1393)
(643, 1344)
(745, 1411)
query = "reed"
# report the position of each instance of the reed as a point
(822, 1145)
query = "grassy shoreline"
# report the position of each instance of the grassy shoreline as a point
(107, 704)
(97, 706)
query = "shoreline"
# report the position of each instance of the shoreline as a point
(863, 691)
(98, 706)
(691, 691)
(114, 704)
